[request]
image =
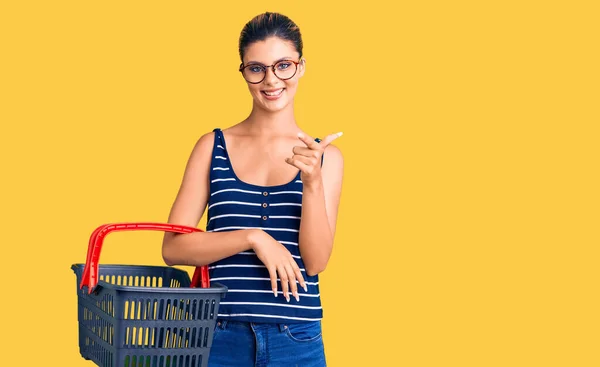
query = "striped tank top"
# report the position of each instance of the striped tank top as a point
(234, 205)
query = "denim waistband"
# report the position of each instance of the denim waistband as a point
(224, 324)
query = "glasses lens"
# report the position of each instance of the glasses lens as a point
(253, 73)
(285, 69)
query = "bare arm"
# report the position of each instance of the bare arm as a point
(199, 248)
(320, 201)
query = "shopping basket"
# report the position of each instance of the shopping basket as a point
(144, 316)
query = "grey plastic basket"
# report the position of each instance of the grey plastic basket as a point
(145, 316)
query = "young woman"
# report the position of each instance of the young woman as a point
(272, 194)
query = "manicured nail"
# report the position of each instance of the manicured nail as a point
(287, 298)
(300, 135)
(305, 288)
(275, 292)
(297, 298)
(340, 133)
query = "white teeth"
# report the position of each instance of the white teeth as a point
(276, 93)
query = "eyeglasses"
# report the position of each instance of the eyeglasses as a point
(256, 73)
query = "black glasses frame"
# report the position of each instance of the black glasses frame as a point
(264, 67)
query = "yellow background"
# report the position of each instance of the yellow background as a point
(469, 226)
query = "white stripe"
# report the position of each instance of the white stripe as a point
(238, 190)
(252, 253)
(288, 243)
(238, 278)
(278, 229)
(283, 217)
(298, 181)
(222, 179)
(273, 316)
(286, 192)
(219, 146)
(263, 228)
(236, 266)
(221, 169)
(253, 278)
(233, 215)
(261, 291)
(272, 304)
(243, 266)
(233, 202)
(284, 204)
(221, 157)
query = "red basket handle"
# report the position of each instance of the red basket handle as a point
(90, 271)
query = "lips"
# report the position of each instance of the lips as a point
(273, 92)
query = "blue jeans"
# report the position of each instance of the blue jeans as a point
(246, 344)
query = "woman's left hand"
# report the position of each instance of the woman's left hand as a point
(308, 158)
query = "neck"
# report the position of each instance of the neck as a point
(263, 122)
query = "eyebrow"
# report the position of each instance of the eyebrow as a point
(276, 61)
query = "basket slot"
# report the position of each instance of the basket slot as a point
(163, 361)
(97, 350)
(98, 326)
(165, 309)
(136, 281)
(203, 337)
(166, 337)
(97, 321)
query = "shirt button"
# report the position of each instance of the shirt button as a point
(264, 205)
(265, 193)
(264, 217)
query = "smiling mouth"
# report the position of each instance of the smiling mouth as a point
(273, 93)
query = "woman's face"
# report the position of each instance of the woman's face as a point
(273, 94)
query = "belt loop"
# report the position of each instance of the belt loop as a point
(282, 327)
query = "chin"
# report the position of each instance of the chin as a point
(276, 108)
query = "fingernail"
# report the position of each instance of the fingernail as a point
(297, 298)
(305, 288)
(275, 291)
(300, 135)
(287, 298)
(340, 133)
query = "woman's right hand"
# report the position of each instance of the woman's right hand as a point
(279, 261)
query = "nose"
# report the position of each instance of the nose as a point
(270, 77)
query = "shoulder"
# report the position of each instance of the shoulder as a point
(333, 154)
(333, 160)
(203, 147)
(332, 170)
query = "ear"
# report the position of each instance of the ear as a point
(302, 67)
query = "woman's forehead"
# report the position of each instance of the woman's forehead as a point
(269, 51)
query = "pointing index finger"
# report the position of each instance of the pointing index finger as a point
(330, 138)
